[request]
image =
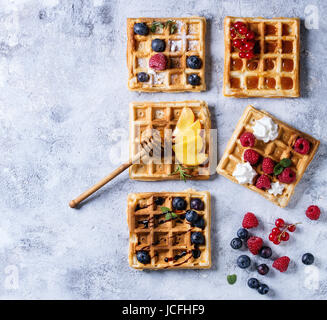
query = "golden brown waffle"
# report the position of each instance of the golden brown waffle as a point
(168, 242)
(274, 72)
(186, 40)
(161, 116)
(281, 147)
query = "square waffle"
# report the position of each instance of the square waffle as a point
(186, 40)
(281, 147)
(161, 116)
(168, 242)
(274, 72)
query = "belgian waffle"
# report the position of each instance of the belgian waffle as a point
(281, 147)
(274, 72)
(168, 242)
(161, 116)
(186, 40)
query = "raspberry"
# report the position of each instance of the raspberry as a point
(302, 146)
(247, 139)
(268, 166)
(251, 156)
(254, 244)
(250, 221)
(287, 176)
(313, 212)
(263, 182)
(281, 263)
(158, 62)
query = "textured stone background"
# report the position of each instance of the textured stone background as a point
(63, 116)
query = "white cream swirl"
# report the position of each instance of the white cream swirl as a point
(265, 129)
(276, 188)
(244, 173)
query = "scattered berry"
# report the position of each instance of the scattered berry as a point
(263, 269)
(191, 216)
(279, 223)
(263, 289)
(302, 146)
(242, 54)
(158, 45)
(250, 221)
(265, 252)
(253, 283)
(251, 156)
(254, 244)
(237, 43)
(243, 261)
(313, 212)
(249, 55)
(272, 237)
(263, 182)
(242, 30)
(281, 263)
(179, 203)
(143, 256)
(287, 176)
(197, 238)
(194, 62)
(143, 77)
(199, 223)
(285, 236)
(268, 166)
(236, 243)
(158, 62)
(141, 29)
(196, 253)
(159, 201)
(242, 233)
(250, 35)
(197, 204)
(193, 79)
(275, 231)
(291, 228)
(308, 258)
(247, 139)
(239, 24)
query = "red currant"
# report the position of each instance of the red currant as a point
(272, 237)
(275, 231)
(237, 43)
(250, 35)
(249, 55)
(285, 236)
(249, 45)
(242, 48)
(233, 34)
(239, 24)
(242, 54)
(279, 223)
(276, 241)
(291, 228)
(243, 41)
(243, 30)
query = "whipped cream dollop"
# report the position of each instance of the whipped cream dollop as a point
(244, 173)
(276, 188)
(265, 129)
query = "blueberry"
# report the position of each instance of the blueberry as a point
(197, 204)
(158, 45)
(243, 261)
(308, 258)
(179, 203)
(236, 243)
(143, 257)
(143, 77)
(242, 233)
(199, 223)
(197, 238)
(193, 79)
(263, 289)
(159, 201)
(265, 252)
(191, 216)
(194, 62)
(196, 253)
(263, 269)
(141, 29)
(253, 283)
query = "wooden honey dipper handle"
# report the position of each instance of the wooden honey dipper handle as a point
(147, 146)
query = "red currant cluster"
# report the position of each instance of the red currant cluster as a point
(243, 39)
(277, 235)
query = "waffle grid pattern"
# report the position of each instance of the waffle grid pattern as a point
(274, 72)
(187, 40)
(161, 116)
(280, 148)
(166, 240)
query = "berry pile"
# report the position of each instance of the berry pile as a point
(277, 235)
(243, 40)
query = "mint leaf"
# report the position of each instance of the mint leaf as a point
(286, 162)
(168, 216)
(231, 279)
(164, 209)
(174, 215)
(278, 169)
